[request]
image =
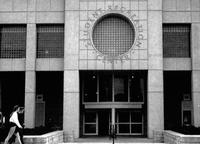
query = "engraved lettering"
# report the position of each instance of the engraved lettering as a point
(129, 12)
(87, 25)
(89, 43)
(140, 28)
(138, 44)
(95, 14)
(140, 36)
(116, 7)
(99, 10)
(85, 33)
(133, 17)
(91, 20)
(126, 57)
(110, 7)
(123, 9)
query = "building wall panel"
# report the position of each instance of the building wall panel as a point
(177, 64)
(13, 17)
(6, 5)
(176, 17)
(20, 5)
(183, 5)
(195, 5)
(50, 17)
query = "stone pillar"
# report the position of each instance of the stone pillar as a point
(71, 106)
(155, 106)
(0, 96)
(30, 76)
(195, 52)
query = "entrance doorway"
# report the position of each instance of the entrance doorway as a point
(12, 90)
(104, 122)
(49, 99)
(113, 98)
(177, 99)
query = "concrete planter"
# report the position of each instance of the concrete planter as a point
(177, 138)
(49, 138)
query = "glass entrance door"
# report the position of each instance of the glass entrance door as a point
(97, 122)
(113, 98)
(129, 122)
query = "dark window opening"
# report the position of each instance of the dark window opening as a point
(89, 86)
(118, 86)
(137, 87)
(105, 86)
(176, 40)
(50, 41)
(12, 41)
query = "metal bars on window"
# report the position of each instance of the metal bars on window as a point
(12, 41)
(50, 41)
(176, 40)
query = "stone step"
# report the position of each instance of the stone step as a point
(108, 143)
(105, 140)
(117, 141)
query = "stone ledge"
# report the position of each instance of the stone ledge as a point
(174, 138)
(50, 138)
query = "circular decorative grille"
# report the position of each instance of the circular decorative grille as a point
(113, 35)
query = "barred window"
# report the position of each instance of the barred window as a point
(176, 40)
(12, 41)
(50, 41)
(113, 35)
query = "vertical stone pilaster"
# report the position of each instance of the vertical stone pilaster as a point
(71, 115)
(30, 99)
(30, 79)
(155, 101)
(0, 96)
(71, 106)
(155, 5)
(195, 54)
(155, 108)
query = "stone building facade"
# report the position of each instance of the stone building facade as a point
(134, 64)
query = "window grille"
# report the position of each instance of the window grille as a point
(113, 35)
(176, 40)
(50, 41)
(12, 41)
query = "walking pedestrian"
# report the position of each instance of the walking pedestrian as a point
(14, 125)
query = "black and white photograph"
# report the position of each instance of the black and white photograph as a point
(99, 71)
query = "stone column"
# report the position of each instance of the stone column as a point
(155, 106)
(0, 96)
(71, 106)
(195, 53)
(30, 76)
